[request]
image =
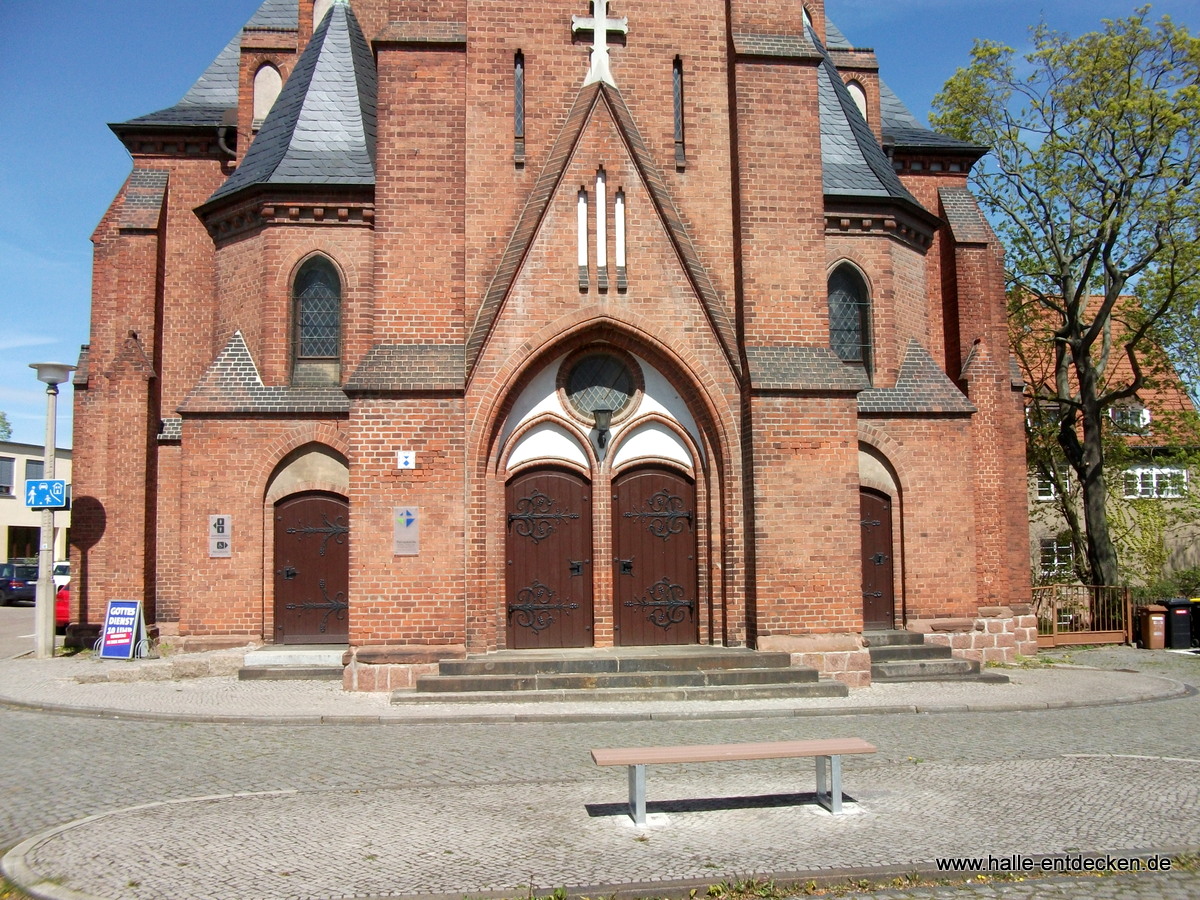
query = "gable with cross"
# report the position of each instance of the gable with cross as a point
(600, 25)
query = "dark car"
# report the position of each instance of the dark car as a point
(17, 582)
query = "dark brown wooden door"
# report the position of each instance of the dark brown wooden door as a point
(879, 607)
(312, 569)
(654, 569)
(549, 550)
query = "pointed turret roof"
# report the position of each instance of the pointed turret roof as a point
(216, 90)
(853, 163)
(900, 127)
(321, 130)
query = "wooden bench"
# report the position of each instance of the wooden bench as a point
(829, 755)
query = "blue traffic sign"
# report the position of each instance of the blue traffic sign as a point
(46, 494)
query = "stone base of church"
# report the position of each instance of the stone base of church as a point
(386, 668)
(839, 656)
(998, 634)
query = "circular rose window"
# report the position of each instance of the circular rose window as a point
(599, 381)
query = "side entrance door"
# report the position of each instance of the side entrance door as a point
(312, 569)
(879, 603)
(654, 565)
(549, 560)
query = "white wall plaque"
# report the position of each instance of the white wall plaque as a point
(220, 543)
(406, 459)
(406, 531)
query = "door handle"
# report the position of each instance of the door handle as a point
(625, 567)
(288, 573)
(576, 566)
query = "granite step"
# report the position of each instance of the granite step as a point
(294, 662)
(605, 695)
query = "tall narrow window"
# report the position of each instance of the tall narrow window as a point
(601, 233)
(519, 109)
(267, 85)
(860, 97)
(317, 300)
(619, 238)
(677, 86)
(582, 226)
(850, 317)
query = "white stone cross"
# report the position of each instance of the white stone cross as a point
(600, 25)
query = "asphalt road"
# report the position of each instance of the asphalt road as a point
(16, 630)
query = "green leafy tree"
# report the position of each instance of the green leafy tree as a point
(1091, 185)
(5, 427)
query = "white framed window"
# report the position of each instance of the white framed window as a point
(7, 464)
(1045, 485)
(1160, 482)
(1057, 558)
(1130, 419)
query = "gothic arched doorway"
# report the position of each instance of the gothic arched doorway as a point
(312, 569)
(878, 571)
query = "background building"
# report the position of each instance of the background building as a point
(21, 527)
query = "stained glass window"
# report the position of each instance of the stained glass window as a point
(849, 317)
(318, 297)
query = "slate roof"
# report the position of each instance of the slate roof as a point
(921, 387)
(900, 127)
(808, 369)
(205, 103)
(276, 15)
(853, 163)
(903, 130)
(232, 385)
(321, 130)
(216, 90)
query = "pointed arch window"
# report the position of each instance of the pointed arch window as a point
(267, 85)
(850, 316)
(317, 314)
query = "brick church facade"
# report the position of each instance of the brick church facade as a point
(440, 328)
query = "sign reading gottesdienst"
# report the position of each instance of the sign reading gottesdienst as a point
(122, 629)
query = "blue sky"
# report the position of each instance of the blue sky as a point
(71, 66)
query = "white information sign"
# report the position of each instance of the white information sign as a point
(406, 459)
(220, 544)
(406, 531)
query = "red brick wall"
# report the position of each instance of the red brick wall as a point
(407, 599)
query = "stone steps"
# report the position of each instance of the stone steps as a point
(317, 662)
(901, 656)
(663, 673)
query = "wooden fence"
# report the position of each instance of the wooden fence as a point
(1082, 614)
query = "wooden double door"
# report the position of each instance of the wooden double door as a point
(551, 575)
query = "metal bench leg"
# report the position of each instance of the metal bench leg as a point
(637, 794)
(831, 799)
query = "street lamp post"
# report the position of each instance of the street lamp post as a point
(52, 374)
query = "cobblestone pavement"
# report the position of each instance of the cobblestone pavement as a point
(160, 809)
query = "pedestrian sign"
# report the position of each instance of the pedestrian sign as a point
(46, 494)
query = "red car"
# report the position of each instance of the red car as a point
(62, 607)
